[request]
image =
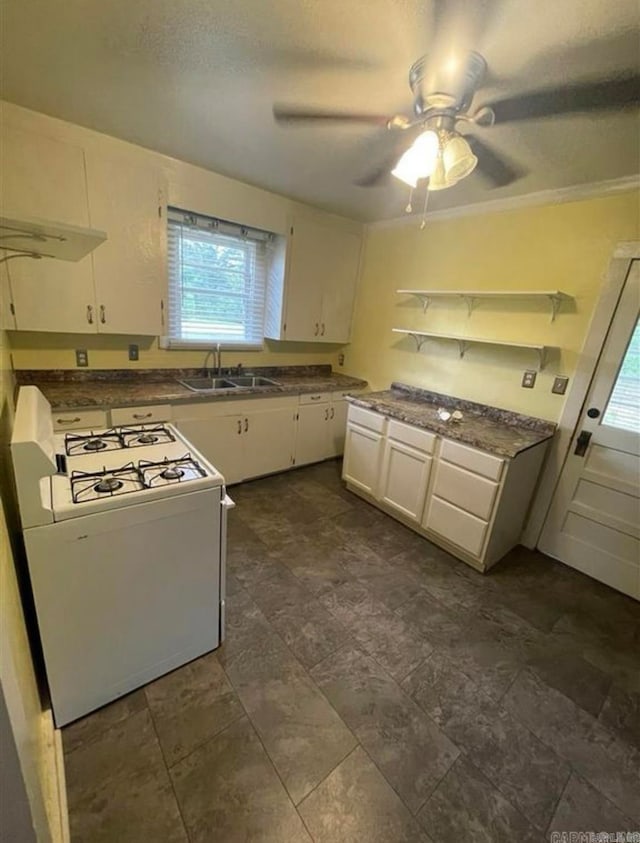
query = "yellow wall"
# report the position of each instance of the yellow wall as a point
(56, 351)
(31, 727)
(563, 246)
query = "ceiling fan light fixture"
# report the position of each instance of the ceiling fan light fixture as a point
(457, 158)
(419, 161)
(439, 179)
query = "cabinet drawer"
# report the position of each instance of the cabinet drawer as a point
(466, 490)
(456, 525)
(78, 419)
(315, 398)
(366, 418)
(409, 435)
(478, 461)
(141, 415)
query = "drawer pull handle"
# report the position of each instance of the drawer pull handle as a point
(143, 415)
(315, 397)
(68, 421)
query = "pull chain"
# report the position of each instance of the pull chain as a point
(409, 207)
(423, 222)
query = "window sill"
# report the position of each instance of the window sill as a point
(169, 344)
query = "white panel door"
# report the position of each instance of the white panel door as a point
(593, 521)
(269, 440)
(304, 280)
(313, 437)
(46, 179)
(340, 266)
(221, 441)
(404, 478)
(362, 455)
(127, 201)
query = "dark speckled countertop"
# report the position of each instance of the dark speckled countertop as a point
(491, 429)
(103, 389)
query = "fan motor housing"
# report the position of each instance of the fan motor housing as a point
(448, 88)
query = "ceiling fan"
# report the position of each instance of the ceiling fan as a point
(430, 145)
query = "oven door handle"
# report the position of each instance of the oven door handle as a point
(225, 505)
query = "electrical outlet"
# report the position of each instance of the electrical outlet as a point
(82, 357)
(134, 352)
(529, 379)
(340, 359)
(560, 384)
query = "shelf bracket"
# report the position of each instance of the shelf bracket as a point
(463, 347)
(470, 301)
(426, 301)
(420, 341)
(555, 306)
(18, 254)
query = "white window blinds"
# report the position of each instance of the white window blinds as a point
(217, 277)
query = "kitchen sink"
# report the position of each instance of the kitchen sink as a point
(252, 380)
(207, 384)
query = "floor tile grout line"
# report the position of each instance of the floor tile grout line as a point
(106, 729)
(331, 772)
(559, 800)
(168, 771)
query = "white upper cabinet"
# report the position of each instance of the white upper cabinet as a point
(314, 300)
(128, 202)
(46, 179)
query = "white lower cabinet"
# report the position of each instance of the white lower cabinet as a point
(242, 439)
(471, 502)
(313, 437)
(406, 468)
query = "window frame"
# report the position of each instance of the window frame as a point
(225, 227)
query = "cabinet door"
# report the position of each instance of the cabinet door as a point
(313, 438)
(337, 426)
(269, 440)
(221, 441)
(127, 201)
(340, 268)
(404, 478)
(362, 452)
(304, 280)
(45, 178)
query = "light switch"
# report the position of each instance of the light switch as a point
(529, 379)
(560, 384)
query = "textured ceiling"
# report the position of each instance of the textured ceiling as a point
(196, 79)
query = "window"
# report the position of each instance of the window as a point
(217, 274)
(623, 408)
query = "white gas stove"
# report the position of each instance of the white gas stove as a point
(125, 531)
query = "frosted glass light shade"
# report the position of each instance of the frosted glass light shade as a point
(439, 179)
(419, 161)
(457, 158)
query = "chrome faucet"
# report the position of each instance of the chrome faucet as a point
(217, 359)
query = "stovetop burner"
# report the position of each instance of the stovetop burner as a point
(132, 477)
(117, 438)
(167, 471)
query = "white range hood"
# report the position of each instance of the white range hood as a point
(45, 239)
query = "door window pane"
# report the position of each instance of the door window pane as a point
(623, 410)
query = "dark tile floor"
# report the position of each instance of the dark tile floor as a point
(372, 688)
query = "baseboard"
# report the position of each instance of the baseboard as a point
(55, 788)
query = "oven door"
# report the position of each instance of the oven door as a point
(225, 505)
(125, 596)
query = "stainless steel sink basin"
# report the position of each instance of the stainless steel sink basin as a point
(207, 384)
(252, 380)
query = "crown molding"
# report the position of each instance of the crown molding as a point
(512, 203)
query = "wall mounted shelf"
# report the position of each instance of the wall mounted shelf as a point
(555, 297)
(421, 337)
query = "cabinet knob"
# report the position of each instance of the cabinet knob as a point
(90, 314)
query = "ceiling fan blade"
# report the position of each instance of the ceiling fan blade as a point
(294, 115)
(493, 166)
(595, 95)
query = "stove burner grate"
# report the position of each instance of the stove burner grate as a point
(102, 440)
(92, 485)
(167, 471)
(146, 434)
